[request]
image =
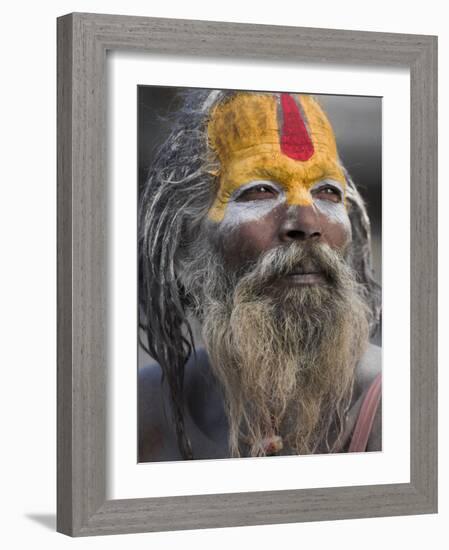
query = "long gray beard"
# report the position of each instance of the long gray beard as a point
(285, 355)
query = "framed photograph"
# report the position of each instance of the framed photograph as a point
(247, 289)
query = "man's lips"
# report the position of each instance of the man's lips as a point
(306, 272)
(301, 277)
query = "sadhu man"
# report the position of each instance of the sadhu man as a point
(250, 224)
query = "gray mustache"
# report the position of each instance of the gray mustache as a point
(296, 258)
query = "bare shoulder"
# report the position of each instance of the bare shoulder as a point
(156, 439)
(370, 365)
(204, 417)
(368, 368)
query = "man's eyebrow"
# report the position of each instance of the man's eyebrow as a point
(267, 173)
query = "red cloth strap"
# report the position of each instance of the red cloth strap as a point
(365, 420)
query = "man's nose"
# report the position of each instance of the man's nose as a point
(301, 223)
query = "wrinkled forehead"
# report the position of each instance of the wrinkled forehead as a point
(282, 137)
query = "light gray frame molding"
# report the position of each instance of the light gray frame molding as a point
(83, 40)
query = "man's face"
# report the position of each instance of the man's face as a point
(280, 180)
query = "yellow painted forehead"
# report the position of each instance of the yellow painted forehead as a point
(282, 137)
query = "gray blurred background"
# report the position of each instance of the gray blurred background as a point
(357, 123)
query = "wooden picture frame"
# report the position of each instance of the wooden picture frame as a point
(83, 40)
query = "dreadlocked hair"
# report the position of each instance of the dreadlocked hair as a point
(360, 253)
(173, 204)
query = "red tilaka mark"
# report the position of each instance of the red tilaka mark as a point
(295, 140)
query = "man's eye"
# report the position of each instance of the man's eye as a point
(259, 192)
(328, 193)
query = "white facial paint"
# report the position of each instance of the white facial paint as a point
(335, 211)
(239, 211)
